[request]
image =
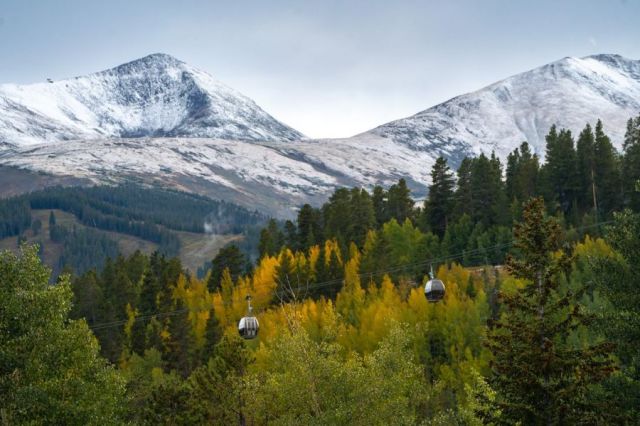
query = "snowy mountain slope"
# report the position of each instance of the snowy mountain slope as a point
(157, 95)
(569, 92)
(270, 176)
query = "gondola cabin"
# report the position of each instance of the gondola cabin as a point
(434, 290)
(248, 326)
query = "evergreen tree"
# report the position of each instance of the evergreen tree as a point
(379, 200)
(438, 207)
(631, 164)
(513, 163)
(585, 155)
(361, 216)
(271, 239)
(400, 204)
(179, 338)
(87, 296)
(522, 177)
(212, 336)
(215, 390)
(618, 278)
(229, 257)
(291, 238)
(607, 177)
(560, 171)
(456, 237)
(488, 201)
(309, 227)
(36, 226)
(500, 208)
(464, 194)
(541, 376)
(528, 170)
(336, 221)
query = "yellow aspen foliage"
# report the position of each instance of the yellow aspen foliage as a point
(370, 242)
(131, 319)
(383, 307)
(332, 246)
(230, 302)
(263, 282)
(594, 247)
(301, 269)
(314, 254)
(197, 299)
(350, 300)
(455, 278)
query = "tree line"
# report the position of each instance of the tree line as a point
(582, 182)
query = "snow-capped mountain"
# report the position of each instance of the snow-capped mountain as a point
(155, 96)
(569, 93)
(160, 121)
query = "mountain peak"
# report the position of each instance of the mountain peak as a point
(156, 96)
(155, 61)
(569, 92)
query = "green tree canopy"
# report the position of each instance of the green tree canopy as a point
(540, 376)
(50, 368)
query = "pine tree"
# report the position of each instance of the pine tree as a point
(463, 195)
(309, 227)
(229, 257)
(631, 164)
(560, 171)
(180, 340)
(488, 201)
(528, 172)
(513, 163)
(438, 207)
(540, 377)
(361, 216)
(212, 336)
(291, 235)
(618, 278)
(271, 239)
(522, 177)
(400, 204)
(586, 170)
(456, 237)
(607, 177)
(336, 222)
(500, 208)
(380, 208)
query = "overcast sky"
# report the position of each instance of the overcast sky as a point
(326, 68)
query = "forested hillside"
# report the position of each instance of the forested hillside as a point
(164, 219)
(539, 323)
